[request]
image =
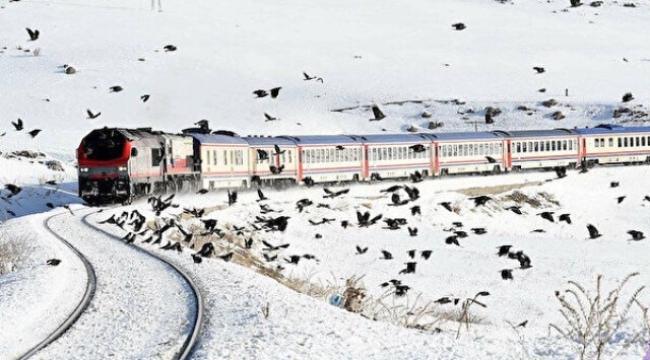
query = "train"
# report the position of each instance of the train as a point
(119, 164)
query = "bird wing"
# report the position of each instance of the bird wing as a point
(268, 117)
(377, 112)
(260, 194)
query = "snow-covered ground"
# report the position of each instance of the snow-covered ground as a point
(404, 56)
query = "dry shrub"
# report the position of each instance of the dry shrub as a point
(594, 319)
(521, 198)
(11, 254)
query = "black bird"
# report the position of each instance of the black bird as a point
(203, 191)
(345, 224)
(460, 234)
(426, 254)
(418, 148)
(416, 177)
(53, 262)
(393, 224)
(412, 192)
(278, 151)
(276, 169)
(262, 155)
(490, 159)
(503, 250)
(479, 231)
(614, 184)
(248, 243)
(51, 182)
(269, 117)
(523, 324)
(293, 259)
(397, 201)
(169, 48)
(269, 247)
(506, 274)
(331, 194)
(13, 189)
(415, 210)
(361, 251)
(260, 93)
(340, 147)
(646, 198)
(548, 215)
(308, 181)
(275, 92)
(18, 124)
(387, 255)
(34, 132)
(206, 250)
(593, 232)
(410, 268)
(33, 34)
(565, 217)
(261, 196)
(115, 88)
(144, 98)
(458, 26)
(49, 205)
(447, 205)
(365, 220)
(91, 115)
(411, 253)
(539, 69)
(452, 240)
(197, 259)
(480, 200)
(377, 113)
(524, 260)
(636, 235)
(401, 290)
(307, 77)
(269, 258)
(515, 209)
(232, 197)
(413, 231)
(303, 203)
(539, 231)
(620, 199)
(398, 187)
(444, 300)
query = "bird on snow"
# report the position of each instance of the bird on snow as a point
(515, 209)
(480, 200)
(459, 26)
(539, 69)
(169, 48)
(275, 92)
(447, 205)
(548, 215)
(387, 255)
(504, 250)
(479, 231)
(565, 217)
(53, 262)
(614, 184)
(636, 235)
(452, 240)
(506, 274)
(415, 210)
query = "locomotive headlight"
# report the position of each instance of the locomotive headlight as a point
(122, 168)
(83, 169)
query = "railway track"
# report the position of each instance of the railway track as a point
(85, 300)
(195, 319)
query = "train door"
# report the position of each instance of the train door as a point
(435, 161)
(508, 157)
(365, 162)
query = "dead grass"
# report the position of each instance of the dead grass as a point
(539, 200)
(498, 189)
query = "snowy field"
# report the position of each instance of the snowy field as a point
(403, 56)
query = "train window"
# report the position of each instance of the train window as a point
(602, 142)
(225, 157)
(620, 142)
(611, 142)
(214, 157)
(648, 140)
(208, 153)
(389, 152)
(455, 151)
(523, 147)
(625, 142)
(383, 154)
(553, 146)
(637, 141)
(211, 184)
(642, 141)
(518, 147)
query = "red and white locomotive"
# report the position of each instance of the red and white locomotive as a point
(119, 164)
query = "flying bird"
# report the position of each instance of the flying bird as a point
(33, 34)
(636, 235)
(169, 48)
(115, 89)
(620, 199)
(261, 196)
(275, 92)
(269, 117)
(361, 251)
(479, 231)
(260, 93)
(398, 187)
(504, 250)
(91, 115)
(418, 148)
(413, 231)
(539, 69)
(34, 132)
(452, 240)
(515, 209)
(480, 200)
(459, 26)
(490, 159)
(144, 98)
(262, 155)
(593, 232)
(53, 262)
(565, 217)
(387, 255)
(548, 215)
(18, 125)
(447, 205)
(426, 254)
(506, 274)
(377, 113)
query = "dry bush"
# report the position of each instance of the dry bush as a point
(521, 198)
(593, 319)
(11, 254)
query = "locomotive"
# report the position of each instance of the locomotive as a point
(117, 164)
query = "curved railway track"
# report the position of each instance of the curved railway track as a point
(195, 320)
(85, 300)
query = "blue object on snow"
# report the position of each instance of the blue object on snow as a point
(335, 300)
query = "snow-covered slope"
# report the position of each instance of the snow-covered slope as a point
(366, 52)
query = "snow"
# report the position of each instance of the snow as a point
(405, 57)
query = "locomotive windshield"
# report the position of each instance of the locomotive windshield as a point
(103, 145)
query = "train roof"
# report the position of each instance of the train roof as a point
(325, 139)
(396, 138)
(537, 133)
(268, 141)
(609, 129)
(217, 139)
(482, 135)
